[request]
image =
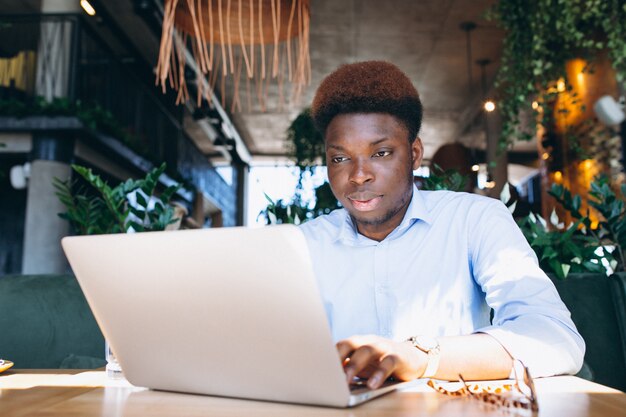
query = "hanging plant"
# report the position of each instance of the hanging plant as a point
(305, 144)
(541, 36)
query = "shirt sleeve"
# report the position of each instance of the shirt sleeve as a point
(530, 320)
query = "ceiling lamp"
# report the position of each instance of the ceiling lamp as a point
(246, 41)
(489, 106)
(87, 7)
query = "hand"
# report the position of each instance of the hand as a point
(377, 358)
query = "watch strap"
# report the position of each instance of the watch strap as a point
(432, 350)
(433, 363)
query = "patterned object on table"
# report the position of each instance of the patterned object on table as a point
(520, 395)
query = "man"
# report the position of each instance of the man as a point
(408, 277)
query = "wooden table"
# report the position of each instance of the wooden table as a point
(91, 393)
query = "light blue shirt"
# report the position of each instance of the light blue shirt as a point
(452, 258)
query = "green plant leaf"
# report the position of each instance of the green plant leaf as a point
(108, 210)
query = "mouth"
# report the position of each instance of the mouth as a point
(365, 201)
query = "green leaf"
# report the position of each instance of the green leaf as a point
(557, 269)
(141, 200)
(138, 212)
(169, 193)
(137, 227)
(549, 253)
(267, 197)
(108, 210)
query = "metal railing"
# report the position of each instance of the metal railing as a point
(70, 56)
(63, 56)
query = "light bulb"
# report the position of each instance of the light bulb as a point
(87, 7)
(489, 106)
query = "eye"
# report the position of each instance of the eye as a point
(381, 154)
(338, 159)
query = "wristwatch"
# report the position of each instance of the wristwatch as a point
(430, 346)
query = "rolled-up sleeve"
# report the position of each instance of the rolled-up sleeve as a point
(530, 320)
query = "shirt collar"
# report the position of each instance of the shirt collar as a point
(417, 210)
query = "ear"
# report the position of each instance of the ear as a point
(417, 151)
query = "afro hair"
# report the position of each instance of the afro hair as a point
(368, 87)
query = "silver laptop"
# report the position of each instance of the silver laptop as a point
(232, 312)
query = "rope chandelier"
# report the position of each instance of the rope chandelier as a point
(256, 42)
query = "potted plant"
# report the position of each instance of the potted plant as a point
(297, 211)
(541, 38)
(586, 263)
(304, 143)
(131, 205)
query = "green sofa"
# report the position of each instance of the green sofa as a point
(598, 307)
(45, 322)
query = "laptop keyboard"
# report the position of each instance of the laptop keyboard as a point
(360, 385)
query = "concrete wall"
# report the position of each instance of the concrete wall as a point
(44, 228)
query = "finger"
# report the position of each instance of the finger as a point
(385, 369)
(363, 357)
(345, 349)
(347, 346)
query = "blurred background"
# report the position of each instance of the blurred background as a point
(94, 83)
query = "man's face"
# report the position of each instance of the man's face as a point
(370, 169)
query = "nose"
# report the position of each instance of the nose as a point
(361, 172)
